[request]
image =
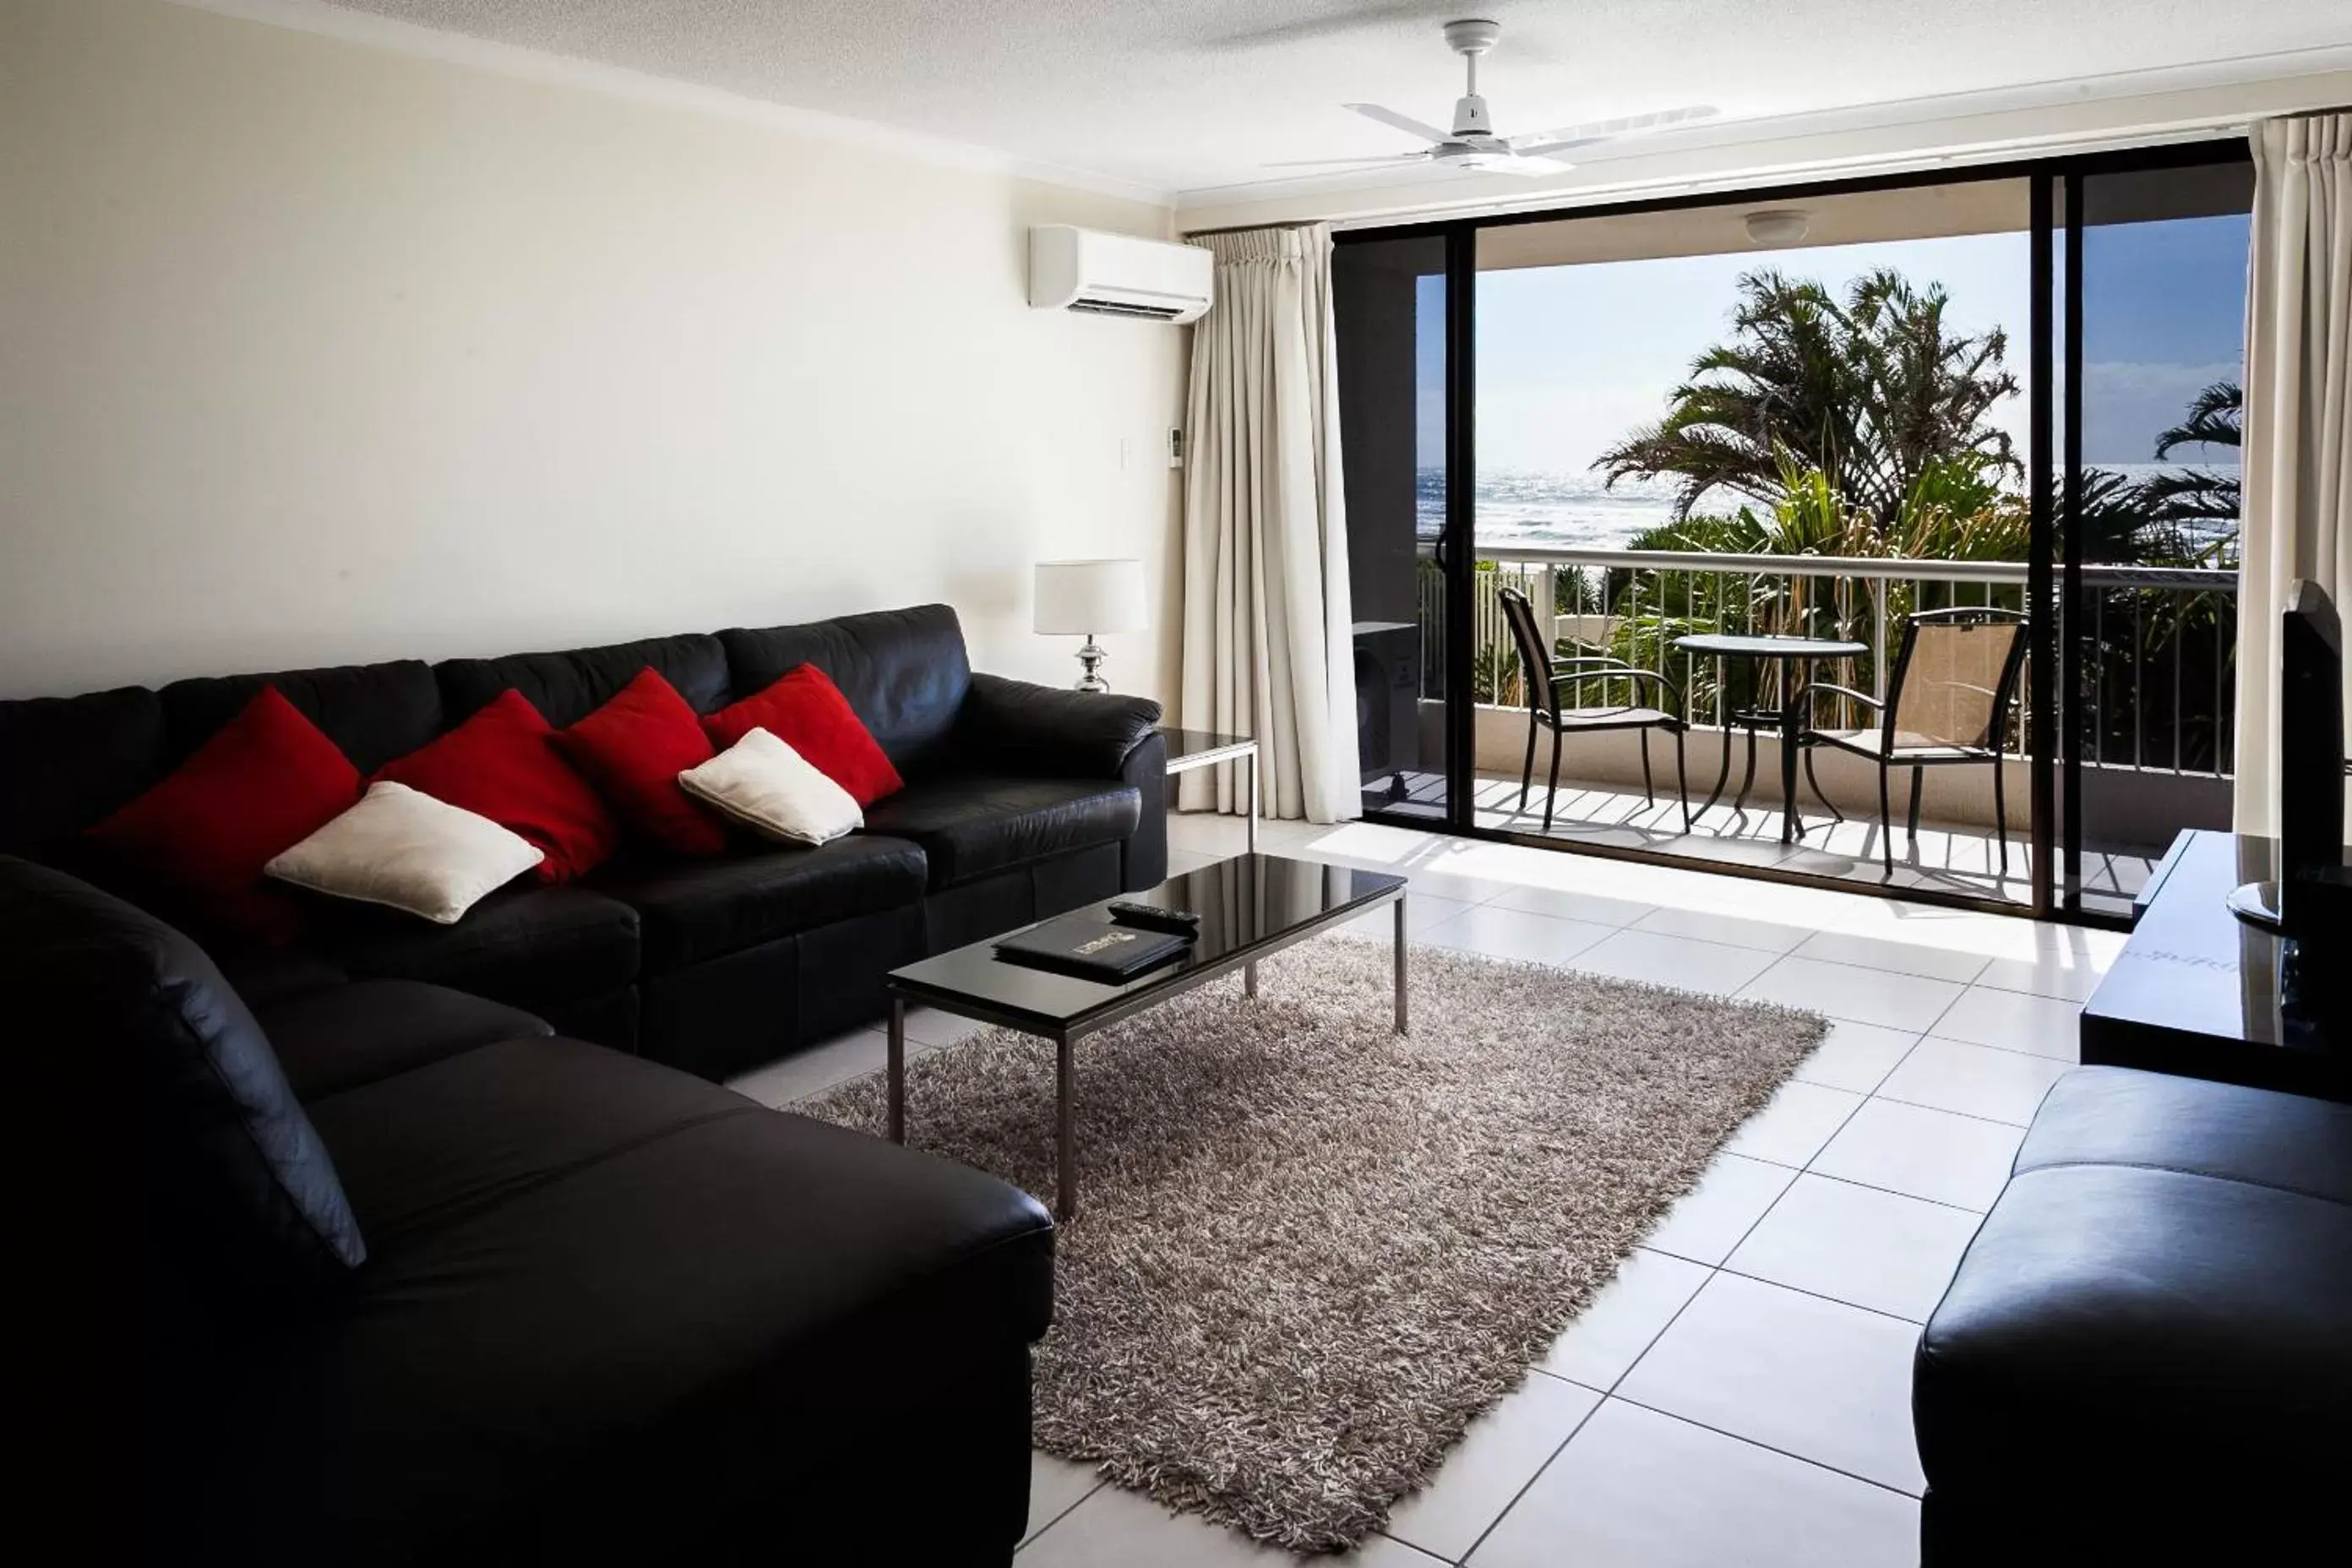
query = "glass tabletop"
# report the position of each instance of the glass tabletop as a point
(1727, 644)
(1249, 904)
(1182, 744)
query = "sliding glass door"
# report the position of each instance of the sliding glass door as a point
(1957, 450)
(2155, 346)
(1391, 299)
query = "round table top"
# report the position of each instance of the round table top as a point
(1726, 644)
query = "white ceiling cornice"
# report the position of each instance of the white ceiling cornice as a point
(2171, 104)
(534, 65)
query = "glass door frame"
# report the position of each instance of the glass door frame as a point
(2054, 741)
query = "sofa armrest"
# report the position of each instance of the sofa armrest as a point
(1041, 729)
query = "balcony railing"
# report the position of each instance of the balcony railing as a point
(2154, 644)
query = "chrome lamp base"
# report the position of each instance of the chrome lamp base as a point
(1091, 658)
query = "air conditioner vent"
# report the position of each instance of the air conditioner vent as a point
(1117, 274)
(1122, 307)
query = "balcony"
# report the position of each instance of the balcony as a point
(2150, 664)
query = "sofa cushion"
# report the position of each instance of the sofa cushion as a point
(502, 763)
(905, 673)
(372, 712)
(765, 787)
(806, 712)
(633, 749)
(567, 687)
(694, 911)
(2115, 1116)
(525, 944)
(337, 1038)
(971, 826)
(401, 849)
(257, 786)
(242, 1194)
(65, 762)
(592, 1262)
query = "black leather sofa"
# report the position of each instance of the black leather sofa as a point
(2146, 1354)
(606, 1311)
(1021, 802)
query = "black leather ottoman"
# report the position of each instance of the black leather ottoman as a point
(2146, 1352)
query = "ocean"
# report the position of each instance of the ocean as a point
(1576, 511)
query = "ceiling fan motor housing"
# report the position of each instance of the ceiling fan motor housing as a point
(1470, 39)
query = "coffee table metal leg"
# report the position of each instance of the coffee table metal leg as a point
(1066, 1154)
(898, 1069)
(1402, 1026)
(1249, 762)
(1249, 979)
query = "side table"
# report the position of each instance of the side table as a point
(1191, 749)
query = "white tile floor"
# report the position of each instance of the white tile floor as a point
(1740, 1393)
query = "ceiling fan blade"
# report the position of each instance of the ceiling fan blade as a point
(1542, 142)
(1524, 166)
(1358, 162)
(1404, 123)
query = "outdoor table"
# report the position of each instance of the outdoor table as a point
(1762, 650)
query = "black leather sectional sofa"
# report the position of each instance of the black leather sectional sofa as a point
(587, 1308)
(606, 1313)
(1020, 801)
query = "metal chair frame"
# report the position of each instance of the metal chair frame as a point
(2004, 694)
(1544, 672)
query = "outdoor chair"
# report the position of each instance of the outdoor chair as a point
(1947, 704)
(1547, 674)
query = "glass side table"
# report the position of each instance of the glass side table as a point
(1190, 749)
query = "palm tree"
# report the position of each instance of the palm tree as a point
(2201, 502)
(1870, 391)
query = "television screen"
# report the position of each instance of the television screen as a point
(2311, 746)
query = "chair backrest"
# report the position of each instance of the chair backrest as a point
(1535, 658)
(1955, 678)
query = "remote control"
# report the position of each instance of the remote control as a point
(1152, 917)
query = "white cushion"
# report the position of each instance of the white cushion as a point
(405, 849)
(769, 788)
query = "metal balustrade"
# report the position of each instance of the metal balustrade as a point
(2153, 644)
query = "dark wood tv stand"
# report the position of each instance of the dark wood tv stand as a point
(2196, 992)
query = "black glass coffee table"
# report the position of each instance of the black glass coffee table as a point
(1250, 906)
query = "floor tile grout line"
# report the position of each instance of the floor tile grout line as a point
(1767, 1448)
(1504, 1511)
(1827, 1176)
(1035, 1535)
(1821, 1295)
(1971, 1115)
(1890, 1192)
(2012, 1050)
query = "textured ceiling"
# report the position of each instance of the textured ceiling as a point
(1190, 94)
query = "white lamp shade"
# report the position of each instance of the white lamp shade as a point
(1084, 596)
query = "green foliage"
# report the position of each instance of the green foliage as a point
(1866, 392)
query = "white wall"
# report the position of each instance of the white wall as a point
(311, 352)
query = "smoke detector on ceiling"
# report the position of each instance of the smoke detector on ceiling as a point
(1781, 225)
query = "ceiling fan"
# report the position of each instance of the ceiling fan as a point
(1472, 145)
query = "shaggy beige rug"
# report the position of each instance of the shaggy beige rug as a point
(1308, 1252)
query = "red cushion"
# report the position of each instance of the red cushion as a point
(633, 749)
(498, 765)
(268, 780)
(806, 711)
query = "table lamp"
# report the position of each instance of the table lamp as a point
(1079, 599)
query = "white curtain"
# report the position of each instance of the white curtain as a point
(1267, 649)
(2298, 425)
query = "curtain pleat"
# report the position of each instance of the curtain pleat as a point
(2297, 477)
(1267, 650)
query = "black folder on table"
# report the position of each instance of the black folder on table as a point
(1091, 949)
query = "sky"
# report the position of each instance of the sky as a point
(1573, 358)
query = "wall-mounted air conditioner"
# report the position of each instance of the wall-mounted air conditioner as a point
(1117, 274)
